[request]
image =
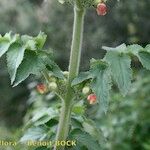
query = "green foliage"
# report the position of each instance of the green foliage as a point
(98, 129)
(101, 82)
(54, 69)
(84, 139)
(61, 1)
(16, 52)
(120, 68)
(128, 113)
(117, 63)
(40, 117)
(5, 42)
(32, 64)
(25, 56)
(35, 133)
(81, 77)
(144, 58)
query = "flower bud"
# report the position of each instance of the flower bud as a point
(85, 90)
(91, 99)
(52, 86)
(101, 9)
(41, 88)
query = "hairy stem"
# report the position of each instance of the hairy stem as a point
(64, 121)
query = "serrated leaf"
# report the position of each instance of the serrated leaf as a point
(46, 56)
(101, 83)
(40, 39)
(34, 43)
(15, 56)
(6, 41)
(121, 71)
(44, 116)
(32, 64)
(144, 58)
(76, 124)
(85, 139)
(61, 1)
(81, 77)
(51, 66)
(35, 133)
(28, 42)
(54, 69)
(120, 48)
(134, 49)
(90, 127)
(147, 48)
(4, 45)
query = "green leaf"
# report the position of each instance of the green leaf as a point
(32, 64)
(40, 60)
(20, 66)
(35, 133)
(85, 139)
(4, 45)
(76, 124)
(81, 78)
(61, 1)
(101, 83)
(43, 116)
(121, 71)
(147, 48)
(34, 43)
(28, 42)
(6, 41)
(91, 128)
(134, 49)
(54, 69)
(120, 48)
(50, 64)
(40, 39)
(144, 58)
(15, 56)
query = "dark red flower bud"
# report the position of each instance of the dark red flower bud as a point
(41, 88)
(91, 99)
(101, 9)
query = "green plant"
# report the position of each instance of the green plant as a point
(26, 56)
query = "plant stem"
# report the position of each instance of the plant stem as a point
(65, 116)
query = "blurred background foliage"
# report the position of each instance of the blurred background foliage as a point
(127, 124)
